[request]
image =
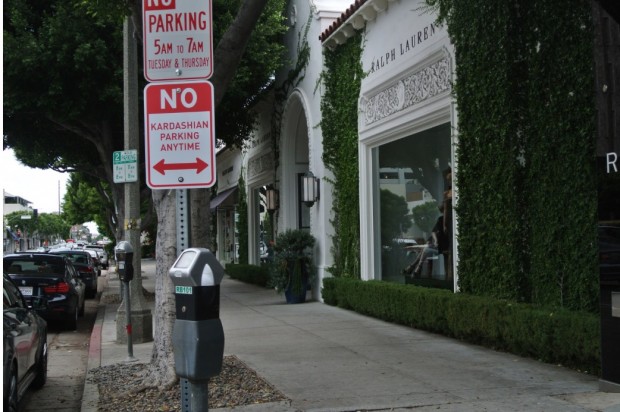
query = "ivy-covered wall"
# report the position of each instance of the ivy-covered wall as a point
(342, 79)
(242, 225)
(526, 126)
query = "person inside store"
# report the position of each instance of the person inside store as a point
(434, 244)
(446, 248)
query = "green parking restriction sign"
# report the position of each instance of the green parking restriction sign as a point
(125, 165)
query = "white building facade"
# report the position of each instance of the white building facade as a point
(406, 124)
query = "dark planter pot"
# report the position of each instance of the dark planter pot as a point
(294, 298)
(298, 296)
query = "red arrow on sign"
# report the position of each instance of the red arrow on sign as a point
(161, 166)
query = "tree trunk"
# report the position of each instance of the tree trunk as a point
(200, 206)
(161, 372)
(227, 56)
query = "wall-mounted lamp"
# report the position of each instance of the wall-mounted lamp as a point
(272, 200)
(309, 189)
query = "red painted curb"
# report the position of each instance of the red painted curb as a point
(94, 350)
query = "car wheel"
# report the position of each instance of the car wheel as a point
(41, 377)
(11, 401)
(72, 323)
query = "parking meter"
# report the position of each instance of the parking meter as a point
(198, 335)
(123, 253)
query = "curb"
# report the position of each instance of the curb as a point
(90, 396)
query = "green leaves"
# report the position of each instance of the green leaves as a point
(342, 79)
(46, 226)
(527, 200)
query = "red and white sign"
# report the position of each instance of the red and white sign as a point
(180, 137)
(178, 40)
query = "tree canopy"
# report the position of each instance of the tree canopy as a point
(63, 109)
(82, 203)
(63, 84)
(47, 226)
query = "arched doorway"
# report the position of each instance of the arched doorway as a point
(295, 162)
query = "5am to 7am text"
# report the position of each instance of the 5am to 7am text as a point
(192, 45)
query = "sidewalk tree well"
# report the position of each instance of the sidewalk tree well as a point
(251, 14)
(63, 106)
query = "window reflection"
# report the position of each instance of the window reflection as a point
(266, 226)
(415, 202)
(303, 210)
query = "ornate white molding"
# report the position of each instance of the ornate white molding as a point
(409, 91)
(260, 164)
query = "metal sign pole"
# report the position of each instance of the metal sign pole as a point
(182, 244)
(194, 396)
(182, 216)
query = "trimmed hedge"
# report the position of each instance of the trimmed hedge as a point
(557, 336)
(256, 275)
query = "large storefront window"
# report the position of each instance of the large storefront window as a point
(265, 230)
(414, 194)
(228, 237)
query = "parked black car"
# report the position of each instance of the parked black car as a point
(25, 345)
(52, 277)
(88, 269)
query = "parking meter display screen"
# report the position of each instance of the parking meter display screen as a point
(185, 260)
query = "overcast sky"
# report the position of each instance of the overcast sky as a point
(41, 187)
(35, 185)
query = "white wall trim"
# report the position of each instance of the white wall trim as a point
(368, 204)
(296, 106)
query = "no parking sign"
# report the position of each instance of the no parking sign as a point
(178, 39)
(179, 136)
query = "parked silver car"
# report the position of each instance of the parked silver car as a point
(103, 255)
(25, 345)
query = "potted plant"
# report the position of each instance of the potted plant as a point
(292, 270)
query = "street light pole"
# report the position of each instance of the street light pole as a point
(142, 329)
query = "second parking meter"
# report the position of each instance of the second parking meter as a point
(123, 253)
(198, 335)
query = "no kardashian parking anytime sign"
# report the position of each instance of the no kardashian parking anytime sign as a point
(179, 136)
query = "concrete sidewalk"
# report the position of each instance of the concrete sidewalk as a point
(328, 359)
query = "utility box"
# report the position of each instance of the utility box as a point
(198, 335)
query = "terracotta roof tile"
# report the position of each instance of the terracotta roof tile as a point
(342, 19)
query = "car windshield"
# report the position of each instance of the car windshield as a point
(30, 266)
(78, 258)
